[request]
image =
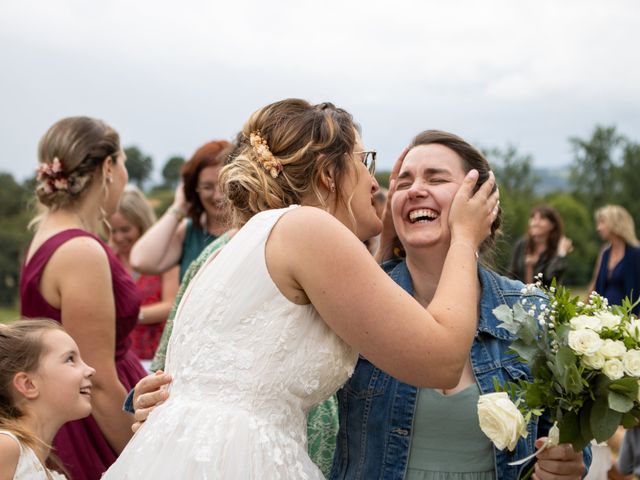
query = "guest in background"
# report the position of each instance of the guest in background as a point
(73, 277)
(194, 220)
(132, 219)
(617, 271)
(543, 249)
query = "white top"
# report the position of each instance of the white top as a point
(29, 466)
(247, 365)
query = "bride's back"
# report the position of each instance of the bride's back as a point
(238, 339)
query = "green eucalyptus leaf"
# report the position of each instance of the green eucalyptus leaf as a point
(625, 385)
(619, 402)
(585, 420)
(570, 431)
(603, 420)
(525, 351)
(505, 315)
(572, 380)
(629, 420)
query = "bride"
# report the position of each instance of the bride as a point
(273, 324)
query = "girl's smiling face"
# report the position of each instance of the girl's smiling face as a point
(428, 180)
(63, 379)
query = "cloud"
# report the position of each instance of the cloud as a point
(170, 76)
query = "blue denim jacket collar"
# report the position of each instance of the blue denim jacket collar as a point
(491, 296)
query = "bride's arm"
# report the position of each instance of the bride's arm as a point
(368, 310)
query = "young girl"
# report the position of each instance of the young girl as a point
(43, 384)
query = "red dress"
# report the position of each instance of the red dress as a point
(144, 337)
(80, 444)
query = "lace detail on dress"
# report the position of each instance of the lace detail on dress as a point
(247, 366)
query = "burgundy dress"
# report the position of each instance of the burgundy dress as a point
(80, 444)
(145, 338)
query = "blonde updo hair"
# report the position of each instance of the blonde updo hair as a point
(81, 144)
(307, 140)
(135, 207)
(619, 222)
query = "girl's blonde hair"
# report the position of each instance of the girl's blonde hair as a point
(21, 348)
(619, 222)
(307, 140)
(135, 207)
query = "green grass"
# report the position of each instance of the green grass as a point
(8, 313)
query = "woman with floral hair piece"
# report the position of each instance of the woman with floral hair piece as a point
(249, 358)
(73, 277)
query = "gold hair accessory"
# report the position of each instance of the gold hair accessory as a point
(265, 157)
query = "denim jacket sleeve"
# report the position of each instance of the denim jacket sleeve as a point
(127, 406)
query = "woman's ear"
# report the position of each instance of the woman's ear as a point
(24, 384)
(327, 179)
(107, 169)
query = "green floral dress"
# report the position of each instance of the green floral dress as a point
(322, 420)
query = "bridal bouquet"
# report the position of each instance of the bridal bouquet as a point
(585, 363)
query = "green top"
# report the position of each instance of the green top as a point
(322, 421)
(195, 241)
(447, 443)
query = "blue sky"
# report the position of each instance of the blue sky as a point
(170, 76)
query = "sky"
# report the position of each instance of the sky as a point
(170, 76)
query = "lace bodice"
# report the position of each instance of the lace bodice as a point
(248, 364)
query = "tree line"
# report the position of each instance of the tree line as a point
(605, 169)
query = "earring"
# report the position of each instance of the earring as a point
(333, 187)
(109, 179)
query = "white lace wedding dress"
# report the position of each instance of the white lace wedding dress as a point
(247, 365)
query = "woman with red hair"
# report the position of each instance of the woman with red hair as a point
(196, 217)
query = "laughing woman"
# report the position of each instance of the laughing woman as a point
(393, 430)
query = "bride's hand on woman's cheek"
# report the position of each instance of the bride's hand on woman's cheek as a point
(472, 214)
(148, 394)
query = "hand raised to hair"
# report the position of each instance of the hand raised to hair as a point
(180, 200)
(565, 246)
(388, 235)
(471, 213)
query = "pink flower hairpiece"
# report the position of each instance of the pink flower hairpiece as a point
(264, 155)
(52, 176)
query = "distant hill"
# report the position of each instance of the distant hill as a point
(551, 179)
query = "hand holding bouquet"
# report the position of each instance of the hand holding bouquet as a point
(585, 363)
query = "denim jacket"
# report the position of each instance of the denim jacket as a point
(377, 411)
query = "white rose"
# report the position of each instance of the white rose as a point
(586, 321)
(634, 329)
(584, 341)
(595, 361)
(500, 420)
(608, 319)
(612, 348)
(613, 369)
(631, 363)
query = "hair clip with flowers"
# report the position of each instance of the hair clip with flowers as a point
(52, 176)
(265, 157)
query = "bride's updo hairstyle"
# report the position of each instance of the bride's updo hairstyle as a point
(69, 157)
(283, 150)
